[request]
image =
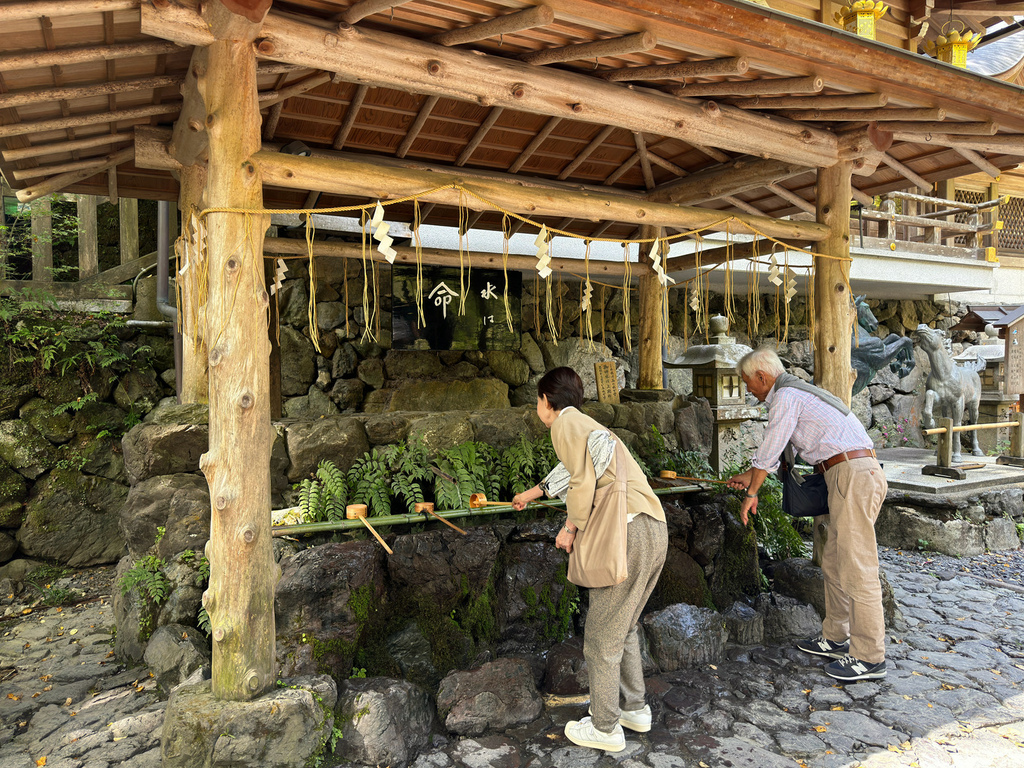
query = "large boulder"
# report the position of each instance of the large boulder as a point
(439, 566)
(509, 366)
(477, 394)
(685, 635)
(383, 721)
(908, 528)
(174, 652)
(298, 362)
(138, 391)
(786, 618)
(178, 503)
(13, 488)
(73, 519)
(694, 425)
(287, 727)
(493, 697)
(411, 364)
(314, 405)
(342, 440)
(502, 428)
(566, 671)
(325, 598)
(152, 449)
(51, 423)
(577, 354)
(24, 449)
(535, 601)
(441, 431)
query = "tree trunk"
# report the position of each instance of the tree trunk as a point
(243, 576)
(832, 300)
(195, 385)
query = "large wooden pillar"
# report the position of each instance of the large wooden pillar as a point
(832, 301)
(243, 575)
(194, 382)
(650, 374)
(42, 241)
(88, 237)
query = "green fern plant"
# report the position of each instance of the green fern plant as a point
(370, 479)
(411, 473)
(147, 576)
(323, 499)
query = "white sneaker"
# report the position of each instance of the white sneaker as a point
(583, 733)
(638, 720)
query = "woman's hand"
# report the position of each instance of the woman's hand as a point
(565, 539)
(520, 500)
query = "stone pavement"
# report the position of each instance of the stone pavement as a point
(954, 695)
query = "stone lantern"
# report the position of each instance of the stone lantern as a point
(715, 377)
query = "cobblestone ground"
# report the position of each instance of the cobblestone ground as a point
(954, 695)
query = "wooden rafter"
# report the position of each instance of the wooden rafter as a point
(742, 205)
(303, 85)
(987, 128)
(75, 121)
(750, 87)
(581, 158)
(535, 144)
(66, 56)
(57, 183)
(418, 66)
(645, 160)
(350, 116)
(417, 125)
(790, 197)
(49, 94)
(740, 175)
(861, 115)
(359, 11)
(736, 65)
(616, 46)
(623, 168)
(58, 8)
(852, 101)
(905, 172)
(478, 137)
(978, 161)
(511, 23)
(39, 171)
(1001, 142)
(41, 150)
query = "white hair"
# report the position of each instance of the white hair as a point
(763, 359)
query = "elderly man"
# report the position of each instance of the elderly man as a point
(826, 434)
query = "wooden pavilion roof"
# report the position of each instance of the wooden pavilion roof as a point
(77, 76)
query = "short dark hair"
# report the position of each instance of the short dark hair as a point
(562, 387)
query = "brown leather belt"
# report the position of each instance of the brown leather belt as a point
(860, 453)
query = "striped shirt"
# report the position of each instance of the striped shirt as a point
(817, 430)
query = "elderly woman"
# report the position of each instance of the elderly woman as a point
(611, 644)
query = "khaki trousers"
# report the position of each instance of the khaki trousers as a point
(611, 640)
(849, 561)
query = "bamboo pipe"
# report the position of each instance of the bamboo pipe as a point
(969, 427)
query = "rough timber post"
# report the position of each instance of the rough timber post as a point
(195, 385)
(650, 374)
(243, 575)
(832, 301)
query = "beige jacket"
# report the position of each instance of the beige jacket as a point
(569, 435)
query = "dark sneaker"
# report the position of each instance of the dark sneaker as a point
(848, 669)
(819, 646)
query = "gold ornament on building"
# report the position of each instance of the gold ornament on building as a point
(953, 44)
(860, 17)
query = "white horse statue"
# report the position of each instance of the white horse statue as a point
(956, 389)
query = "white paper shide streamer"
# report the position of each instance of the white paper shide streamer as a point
(543, 259)
(659, 270)
(588, 292)
(279, 273)
(380, 233)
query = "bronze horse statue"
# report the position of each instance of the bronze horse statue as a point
(956, 389)
(870, 353)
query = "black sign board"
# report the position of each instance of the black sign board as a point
(483, 325)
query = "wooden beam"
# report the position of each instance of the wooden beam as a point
(645, 160)
(791, 197)
(478, 137)
(734, 251)
(740, 175)
(581, 158)
(421, 67)
(120, 296)
(359, 11)
(987, 128)
(919, 221)
(623, 168)
(60, 8)
(861, 197)
(111, 185)
(864, 115)
(122, 272)
(304, 85)
(417, 125)
(1001, 142)
(615, 46)
(853, 101)
(88, 240)
(735, 202)
(63, 57)
(350, 115)
(50, 94)
(439, 257)
(905, 172)
(832, 300)
(62, 147)
(668, 165)
(750, 87)
(272, 120)
(57, 183)
(52, 170)
(652, 294)
(535, 144)
(77, 121)
(377, 182)
(977, 160)
(242, 572)
(538, 16)
(735, 65)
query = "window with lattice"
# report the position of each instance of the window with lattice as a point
(1012, 213)
(974, 198)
